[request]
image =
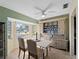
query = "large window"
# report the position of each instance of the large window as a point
(21, 29)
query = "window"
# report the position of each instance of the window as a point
(21, 29)
(34, 29)
(9, 29)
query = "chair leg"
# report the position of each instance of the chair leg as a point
(24, 55)
(47, 51)
(28, 55)
(36, 57)
(49, 48)
(19, 52)
(43, 56)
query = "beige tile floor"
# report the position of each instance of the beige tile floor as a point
(53, 54)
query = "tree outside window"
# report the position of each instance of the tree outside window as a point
(21, 28)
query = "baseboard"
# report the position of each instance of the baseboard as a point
(59, 48)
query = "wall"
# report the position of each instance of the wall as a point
(73, 11)
(4, 13)
(12, 43)
(61, 27)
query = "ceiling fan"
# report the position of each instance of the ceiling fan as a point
(44, 11)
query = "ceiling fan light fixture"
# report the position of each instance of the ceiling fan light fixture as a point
(43, 16)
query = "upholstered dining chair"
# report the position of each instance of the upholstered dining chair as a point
(33, 51)
(22, 46)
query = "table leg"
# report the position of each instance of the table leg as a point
(46, 51)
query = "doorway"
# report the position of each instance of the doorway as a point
(75, 34)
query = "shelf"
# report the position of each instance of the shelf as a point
(1, 52)
(1, 49)
(2, 37)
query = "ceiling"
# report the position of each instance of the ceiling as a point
(27, 7)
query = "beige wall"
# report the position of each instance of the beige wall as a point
(41, 27)
(67, 28)
(61, 27)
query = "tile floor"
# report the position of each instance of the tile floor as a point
(53, 54)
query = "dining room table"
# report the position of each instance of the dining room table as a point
(43, 44)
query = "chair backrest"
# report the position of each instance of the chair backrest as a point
(21, 43)
(32, 47)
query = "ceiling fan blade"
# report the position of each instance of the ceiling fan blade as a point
(51, 11)
(37, 13)
(48, 7)
(38, 8)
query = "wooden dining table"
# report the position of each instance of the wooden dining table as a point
(43, 44)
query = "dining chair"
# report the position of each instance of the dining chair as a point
(33, 51)
(22, 46)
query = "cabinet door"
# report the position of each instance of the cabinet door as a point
(2, 36)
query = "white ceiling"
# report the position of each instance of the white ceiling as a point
(27, 7)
